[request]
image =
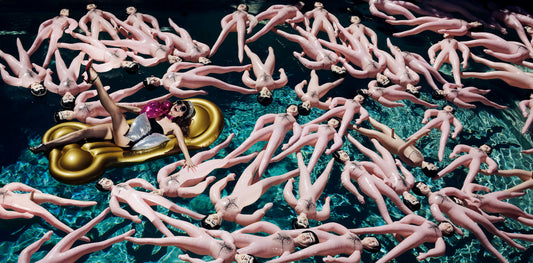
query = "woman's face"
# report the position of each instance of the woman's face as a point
(178, 109)
(243, 258)
(106, 183)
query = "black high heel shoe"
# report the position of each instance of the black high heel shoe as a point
(87, 67)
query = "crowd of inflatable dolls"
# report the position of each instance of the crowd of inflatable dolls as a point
(349, 49)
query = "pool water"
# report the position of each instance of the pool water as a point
(25, 118)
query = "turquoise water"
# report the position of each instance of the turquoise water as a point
(26, 118)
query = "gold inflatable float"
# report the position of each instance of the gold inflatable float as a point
(80, 164)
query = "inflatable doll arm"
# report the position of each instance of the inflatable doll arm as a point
(288, 195)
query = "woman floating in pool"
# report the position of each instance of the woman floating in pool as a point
(443, 120)
(406, 150)
(215, 243)
(236, 22)
(322, 21)
(176, 121)
(274, 134)
(53, 28)
(68, 76)
(360, 32)
(63, 252)
(509, 51)
(189, 182)
(27, 205)
(247, 191)
(442, 204)
(448, 53)
(506, 72)
(473, 159)
(196, 78)
(264, 83)
(277, 15)
(311, 98)
(278, 242)
(305, 205)
(23, 74)
(140, 202)
(141, 21)
(345, 109)
(340, 242)
(88, 111)
(415, 230)
(367, 175)
(187, 48)
(100, 21)
(111, 57)
(388, 95)
(462, 96)
(143, 43)
(491, 202)
(358, 55)
(441, 25)
(400, 183)
(397, 70)
(318, 136)
(319, 57)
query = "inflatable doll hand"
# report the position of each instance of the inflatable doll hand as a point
(424, 121)
(361, 199)
(398, 163)
(285, 146)
(231, 177)
(185, 257)
(268, 206)
(329, 259)
(422, 256)
(158, 192)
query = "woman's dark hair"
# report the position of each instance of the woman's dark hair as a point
(57, 118)
(337, 156)
(450, 233)
(314, 236)
(296, 225)
(340, 75)
(297, 113)
(412, 206)
(375, 248)
(148, 86)
(490, 151)
(67, 105)
(362, 93)
(99, 185)
(437, 96)
(206, 225)
(38, 93)
(415, 93)
(430, 173)
(416, 190)
(264, 100)
(132, 68)
(303, 110)
(185, 121)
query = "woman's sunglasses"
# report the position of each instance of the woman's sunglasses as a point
(183, 108)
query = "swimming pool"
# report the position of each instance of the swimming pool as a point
(26, 118)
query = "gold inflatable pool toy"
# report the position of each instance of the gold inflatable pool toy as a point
(80, 164)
